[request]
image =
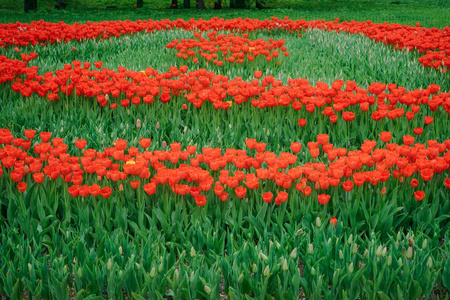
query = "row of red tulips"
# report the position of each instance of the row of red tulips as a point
(226, 48)
(190, 172)
(127, 88)
(434, 42)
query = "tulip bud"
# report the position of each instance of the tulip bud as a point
(138, 266)
(99, 178)
(121, 188)
(176, 274)
(192, 251)
(383, 253)
(285, 265)
(192, 277)
(318, 222)
(264, 257)
(355, 248)
(379, 251)
(399, 236)
(138, 123)
(254, 268)
(240, 278)
(400, 262)
(207, 289)
(310, 249)
(313, 271)
(350, 239)
(350, 267)
(294, 253)
(411, 242)
(341, 254)
(153, 272)
(108, 264)
(120, 250)
(157, 125)
(29, 267)
(366, 253)
(277, 245)
(266, 272)
(160, 267)
(120, 273)
(107, 97)
(409, 252)
(389, 260)
(164, 144)
(79, 272)
(424, 244)
(430, 262)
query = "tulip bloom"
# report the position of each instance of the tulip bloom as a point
(323, 199)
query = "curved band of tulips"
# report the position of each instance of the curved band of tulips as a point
(192, 172)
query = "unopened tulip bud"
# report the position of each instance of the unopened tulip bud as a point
(176, 274)
(192, 277)
(107, 97)
(341, 254)
(399, 236)
(164, 144)
(254, 268)
(160, 267)
(285, 265)
(318, 222)
(350, 239)
(121, 188)
(409, 252)
(29, 267)
(411, 242)
(355, 248)
(350, 267)
(389, 260)
(430, 262)
(400, 261)
(310, 249)
(153, 272)
(366, 253)
(138, 123)
(424, 244)
(240, 278)
(120, 273)
(313, 271)
(266, 272)
(192, 251)
(157, 125)
(294, 253)
(277, 245)
(383, 253)
(264, 257)
(379, 251)
(108, 264)
(120, 250)
(207, 289)
(79, 272)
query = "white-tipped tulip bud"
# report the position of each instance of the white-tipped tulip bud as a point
(207, 289)
(109, 264)
(160, 267)
(263, 256)
(318, 222)
(411, 242)
(241, 278)
(389, 260)
(138, 266)
(430, 262)
(176, 274)
(277, 245)
(424, 244)
(383, 253)
(294, 253)
(192, 252)
(29, 267)
(379, 250)
(341, 254)
(285, 265)
(350, 267)
(79, 272)
(313, 271)
(409, 252)
(107, 97)
(350, 239)
(266, 272)
(310, 249)
(400, 261)
(153, 272)
(366, 253)
(355, 248)
(254, 268)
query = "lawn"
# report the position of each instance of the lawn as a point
(233, 158)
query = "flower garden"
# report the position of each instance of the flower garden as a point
(236, 158)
